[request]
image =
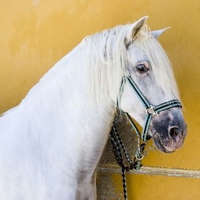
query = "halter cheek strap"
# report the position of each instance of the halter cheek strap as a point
(151, 110)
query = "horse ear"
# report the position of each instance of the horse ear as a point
(157, 33)
(137, 26)
(134, 30)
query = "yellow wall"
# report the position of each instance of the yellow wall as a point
(35, 34)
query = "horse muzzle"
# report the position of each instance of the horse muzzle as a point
(168, 129)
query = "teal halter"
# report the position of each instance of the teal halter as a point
(151, 110)
(117, 143)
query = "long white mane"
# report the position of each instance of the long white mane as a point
(104, 63)
(106, 54)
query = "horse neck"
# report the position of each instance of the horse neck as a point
(61, 101)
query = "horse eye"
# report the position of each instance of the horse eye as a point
(142, 68)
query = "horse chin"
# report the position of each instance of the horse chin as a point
(167, 145)
(160, 146)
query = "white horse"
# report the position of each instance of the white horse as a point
(51, 143)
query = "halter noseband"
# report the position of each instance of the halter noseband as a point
(151, 110)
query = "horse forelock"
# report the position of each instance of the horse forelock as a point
(161, 66)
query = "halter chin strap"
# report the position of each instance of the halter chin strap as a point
(151, 110)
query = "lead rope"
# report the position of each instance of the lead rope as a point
(118, 148)
(118, 155)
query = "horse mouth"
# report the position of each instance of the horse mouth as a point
(168, 145)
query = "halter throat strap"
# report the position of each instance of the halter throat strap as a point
(151, 110)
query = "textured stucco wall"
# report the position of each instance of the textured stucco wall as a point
(36, 33)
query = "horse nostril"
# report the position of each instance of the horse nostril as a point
(174, 134)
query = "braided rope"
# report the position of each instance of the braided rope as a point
(116, 148)
(122, 145)
(124, 184)
(120, 152)
(115, 141)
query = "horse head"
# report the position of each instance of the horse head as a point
(149, 71)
